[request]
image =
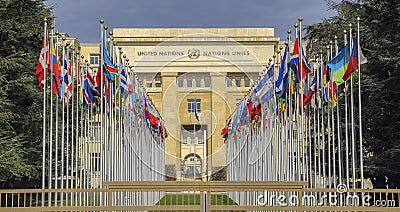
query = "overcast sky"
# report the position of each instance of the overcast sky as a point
(80, 18)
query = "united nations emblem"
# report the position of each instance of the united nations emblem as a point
(193, 53)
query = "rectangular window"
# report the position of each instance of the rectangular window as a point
(207, 81)
(246, 81)
(184, 135)
(95, 161)
(254, 78)
(191, 105)
(198, 81)
(157, 81)
(199, 135)
(228, 81)
(189, 81)
(94, 59)
(237, 81)
(193, 134)
(180, 82)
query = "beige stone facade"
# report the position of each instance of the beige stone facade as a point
(215, 67)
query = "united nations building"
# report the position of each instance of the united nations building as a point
(195, 78)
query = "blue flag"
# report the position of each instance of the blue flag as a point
(195, 109)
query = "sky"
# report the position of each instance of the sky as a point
(80, 18)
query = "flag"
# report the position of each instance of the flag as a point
(282, 82)
(225, 130)
(264, 89)
(108, 65)
(57, 76)
(195, 109)
(150, 113)
(332, 94)
(87, 93)
(67, 82)
(43, 62)
(340, 63)
(295, 62)
(123, 83)
(353, 62)
(326, 76)
(311, 91)
(98, 78)
(90, 78)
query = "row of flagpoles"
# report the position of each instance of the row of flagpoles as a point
(298, 123)
(96, 129)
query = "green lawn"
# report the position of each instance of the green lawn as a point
(194, 199)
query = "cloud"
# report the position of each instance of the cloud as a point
(81, 18)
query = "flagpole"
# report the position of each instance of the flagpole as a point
(346, 121)
(62, 122)
(56, 116)
(333, 124)
(303, 141)
(65, 102)
(72, 65)
(352, 119)
(319, 109)
(81, 141)
(44, 113)
(338, 124)
(290, 116)
(102, 201)
(77, 143)
(359, 105)
(280, 143)
(51, 124)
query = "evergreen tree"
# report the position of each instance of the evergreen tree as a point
(21, 37)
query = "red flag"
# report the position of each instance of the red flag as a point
(90, 77)
(98, 78)
(353, 62)
(43, 62)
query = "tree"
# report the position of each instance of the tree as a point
(21, 36)
(380, 31)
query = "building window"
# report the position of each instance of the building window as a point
(228, 81)
(180, 81)
(246, 81)
(191, 105)
(95, 134)
(199, 135)
(193, 134)
(237, 81)
(94, 59)
(207, 81)
(95, 161)
(189, 81)
(198, 81)
(157, 81)
(184, 135)
(254, 78)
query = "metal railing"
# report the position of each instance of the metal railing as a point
(201, 196)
